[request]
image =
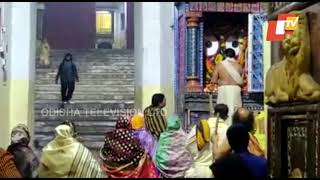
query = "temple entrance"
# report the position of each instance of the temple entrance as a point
(223, 31)
(111, 25)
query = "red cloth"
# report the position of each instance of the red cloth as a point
(8, 168)
(145, 169)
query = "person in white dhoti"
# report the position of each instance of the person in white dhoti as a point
(203, 149)
(229, 77)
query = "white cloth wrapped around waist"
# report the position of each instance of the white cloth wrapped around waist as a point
(230, 95)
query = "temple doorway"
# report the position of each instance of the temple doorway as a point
(111, 25)
(222, 31)
(203, 31)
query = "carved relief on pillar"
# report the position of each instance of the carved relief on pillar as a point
(193, 80)
(193, 18)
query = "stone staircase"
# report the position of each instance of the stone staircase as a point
(105, 91)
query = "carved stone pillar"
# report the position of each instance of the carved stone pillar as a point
(192, 58)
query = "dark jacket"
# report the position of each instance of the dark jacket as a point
(67, 72)
(26, 161)
(241, 165)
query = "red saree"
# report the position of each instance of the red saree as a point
(145, 169)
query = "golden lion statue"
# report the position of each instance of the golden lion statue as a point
(290, 79)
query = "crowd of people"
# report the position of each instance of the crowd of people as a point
(145, 145)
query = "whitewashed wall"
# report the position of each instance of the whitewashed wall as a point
(154, 50)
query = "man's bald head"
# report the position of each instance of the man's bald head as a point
(243, 114)
(245, 117)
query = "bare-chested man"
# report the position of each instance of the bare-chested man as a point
(228, 76)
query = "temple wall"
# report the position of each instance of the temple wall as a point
(70, 25)
(138, 54)
(130, 25)
(154, 53)
(147, 52)
(17, 96)
(4, 86)
(167, 54)
(119, 34)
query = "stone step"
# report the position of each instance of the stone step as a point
(77, 96)
(106, 76)
(86, 67)
(96, 71)
(88, 71)
(121, 52)
(51, 81)
(95, 52)
(54, 63)
(94, 64)
(87, 88)
(93, 58)
(91, 61)
(92, 54)
(38, 105)
(89, 93)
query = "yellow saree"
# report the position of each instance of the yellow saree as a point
(203, 158)
(65, 157)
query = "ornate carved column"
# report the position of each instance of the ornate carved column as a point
(192, 58)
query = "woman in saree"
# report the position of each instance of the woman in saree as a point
(199, 144)
(203, 139)
(146, 139)
(123, 156)
(65, 157)
(172, 157)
